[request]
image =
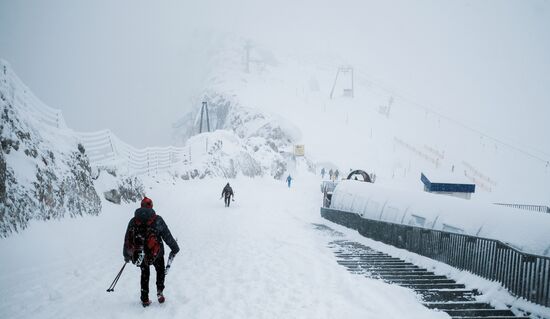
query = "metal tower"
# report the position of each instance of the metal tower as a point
(204, 109)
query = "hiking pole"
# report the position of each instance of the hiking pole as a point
(170, 259)
(112, 286)
(168, 263)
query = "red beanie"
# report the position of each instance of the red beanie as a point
(147, 202)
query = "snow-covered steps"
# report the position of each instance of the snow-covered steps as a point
(438, 292)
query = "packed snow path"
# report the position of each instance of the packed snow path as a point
(262, 257)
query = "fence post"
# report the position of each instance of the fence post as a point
(111, 142)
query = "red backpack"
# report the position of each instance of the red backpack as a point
(143, 242)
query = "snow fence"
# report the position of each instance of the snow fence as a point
(103, 148)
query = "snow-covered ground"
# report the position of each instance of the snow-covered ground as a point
(260, 258)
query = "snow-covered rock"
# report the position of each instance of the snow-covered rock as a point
(219, 106)
(244, 140)
(117, 186)
(220, 153)
(44, 171)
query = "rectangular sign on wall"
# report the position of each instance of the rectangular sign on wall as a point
(299, 150)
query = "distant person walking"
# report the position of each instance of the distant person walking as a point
(336, 173)
(323, 173)
(331, 174)
(227, 193)
(289, 180)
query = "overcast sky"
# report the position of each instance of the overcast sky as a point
(134, 66)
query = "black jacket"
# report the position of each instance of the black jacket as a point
(144, 214)
(227, 191)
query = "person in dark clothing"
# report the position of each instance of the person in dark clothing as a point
(146, 214)
(227, 192)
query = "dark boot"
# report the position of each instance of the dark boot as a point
(146, 303)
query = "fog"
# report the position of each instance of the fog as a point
(136, 66)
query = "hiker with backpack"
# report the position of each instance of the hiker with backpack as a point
(143, 247)
(227, 192)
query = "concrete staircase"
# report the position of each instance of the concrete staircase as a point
(438, 292)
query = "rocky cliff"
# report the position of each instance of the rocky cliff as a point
(44, 171)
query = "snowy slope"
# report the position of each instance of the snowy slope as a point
(260, 258)
(360, 133)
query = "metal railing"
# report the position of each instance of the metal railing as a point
(533, 208)
(524, 275)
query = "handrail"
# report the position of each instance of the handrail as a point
(526, 275)
(529, 207)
